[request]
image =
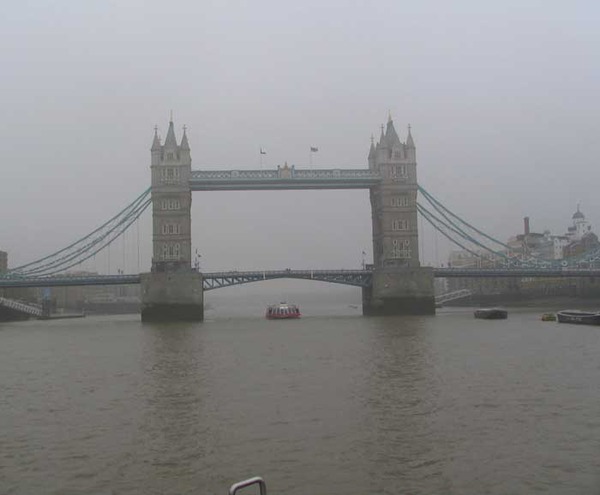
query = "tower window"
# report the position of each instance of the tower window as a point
(400, 224)
(401, 249)
(171, 251)
(170, 204)
(399, 201)
(398, 171)
(169, 174)
(171, 228)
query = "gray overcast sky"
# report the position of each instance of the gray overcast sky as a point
(502, 98)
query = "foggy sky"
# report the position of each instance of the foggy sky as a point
(502, 98)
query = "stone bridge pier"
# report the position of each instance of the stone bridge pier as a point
(172, 296)
(400, 292)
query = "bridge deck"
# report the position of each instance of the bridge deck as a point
(360, 278)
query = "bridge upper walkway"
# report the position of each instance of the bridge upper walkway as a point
(283, 178)
(359, 278)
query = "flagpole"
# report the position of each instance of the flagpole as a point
(262, 152)
(312, 149)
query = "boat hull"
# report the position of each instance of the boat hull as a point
(283, 317)
(491, 314)
(578, 317)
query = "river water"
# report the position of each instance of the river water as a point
(331, 404)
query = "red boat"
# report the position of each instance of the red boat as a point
(282, 311)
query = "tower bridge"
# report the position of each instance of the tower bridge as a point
(396, 283)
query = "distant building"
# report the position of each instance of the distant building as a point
(580, 238)
(3, 261)
(466, 259)
(534, 245)
(580, 227)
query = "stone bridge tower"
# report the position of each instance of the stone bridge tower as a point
(172, 290)
(400, 286)
(171, 168)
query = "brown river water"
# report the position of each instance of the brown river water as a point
(331, 404)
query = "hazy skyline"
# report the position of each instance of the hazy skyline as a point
(502, 99)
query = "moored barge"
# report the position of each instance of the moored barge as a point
(491, 314)
(579, 317)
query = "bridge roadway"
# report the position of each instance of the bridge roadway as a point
(359, 278)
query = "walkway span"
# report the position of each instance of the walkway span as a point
(283, 178)
(358, 278)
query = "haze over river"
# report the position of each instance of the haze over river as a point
(331, 404)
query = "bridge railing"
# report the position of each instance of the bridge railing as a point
(285, 173)
(287, 271)
(452, 296)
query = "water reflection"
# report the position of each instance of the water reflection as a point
(173, 435)
(401, 400)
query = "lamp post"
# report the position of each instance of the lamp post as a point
(197, 261)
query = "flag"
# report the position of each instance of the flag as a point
(263, 152)
(313, 149)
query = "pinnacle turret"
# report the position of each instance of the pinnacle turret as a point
(170, 141)
(391, 137)
(372, 148)
(156, 141)
(185, 146)
(409, 140)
